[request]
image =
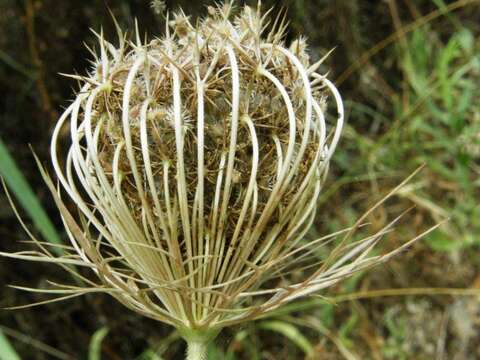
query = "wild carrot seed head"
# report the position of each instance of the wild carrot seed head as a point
(196, 161)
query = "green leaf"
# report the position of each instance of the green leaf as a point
(348, 326)
(95, 348)
(149, 354)
(439, 241)
(290, 332)
(214, 353)
(7, 352)
(327, 314)
(17, 183)
(466, 40)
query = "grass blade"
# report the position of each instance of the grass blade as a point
(26, 197)
(95, 348)
(290, 332)
(7, 352)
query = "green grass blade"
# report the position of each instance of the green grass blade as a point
(26, 197)
(95, 348)
(290, 332)
(7, 59)
(149, 354)
(7, 352)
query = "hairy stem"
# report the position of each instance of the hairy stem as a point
(197, 341)
(197, 350)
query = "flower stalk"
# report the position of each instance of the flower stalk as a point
(197, 342)
(196, 350)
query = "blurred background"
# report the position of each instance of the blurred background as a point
(409, 72)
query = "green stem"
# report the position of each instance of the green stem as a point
(197, 350)
(197, 341)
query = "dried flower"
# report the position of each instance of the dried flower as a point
(158, 7)
(196, 162)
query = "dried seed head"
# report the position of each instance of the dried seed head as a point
(196, 161)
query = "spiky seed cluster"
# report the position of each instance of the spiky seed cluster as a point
(196, 161)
